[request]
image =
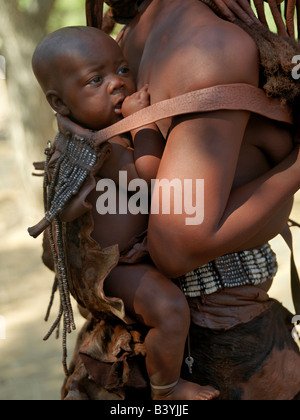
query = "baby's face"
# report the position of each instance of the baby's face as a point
(96, 80)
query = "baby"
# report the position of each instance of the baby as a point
(85, 77)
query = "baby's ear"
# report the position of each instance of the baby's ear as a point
(56, 103)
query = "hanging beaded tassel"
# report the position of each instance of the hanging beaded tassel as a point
(60, 283)
(77, 159)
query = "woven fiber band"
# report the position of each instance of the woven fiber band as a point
(252, 267)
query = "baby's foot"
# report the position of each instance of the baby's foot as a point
(184, 390)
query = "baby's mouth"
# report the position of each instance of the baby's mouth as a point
(118, 106)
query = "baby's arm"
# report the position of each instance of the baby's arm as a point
(148, 141)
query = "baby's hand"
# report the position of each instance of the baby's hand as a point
(136, 102)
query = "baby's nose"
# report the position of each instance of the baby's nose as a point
(115, 83)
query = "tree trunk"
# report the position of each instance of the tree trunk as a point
(31, 121)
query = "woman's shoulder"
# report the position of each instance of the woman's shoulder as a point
(219, 53)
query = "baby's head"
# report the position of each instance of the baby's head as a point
(84, 75)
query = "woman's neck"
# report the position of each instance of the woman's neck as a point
(141, 25)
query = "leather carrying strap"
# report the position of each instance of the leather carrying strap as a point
(235, 97)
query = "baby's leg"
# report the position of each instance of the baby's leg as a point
(157, 303)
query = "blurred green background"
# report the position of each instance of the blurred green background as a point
(30, 369)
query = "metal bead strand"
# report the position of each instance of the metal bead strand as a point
(54, 289)
(70, 172)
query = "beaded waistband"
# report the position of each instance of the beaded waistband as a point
(252, 267)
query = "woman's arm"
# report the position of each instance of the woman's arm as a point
(230, 218)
